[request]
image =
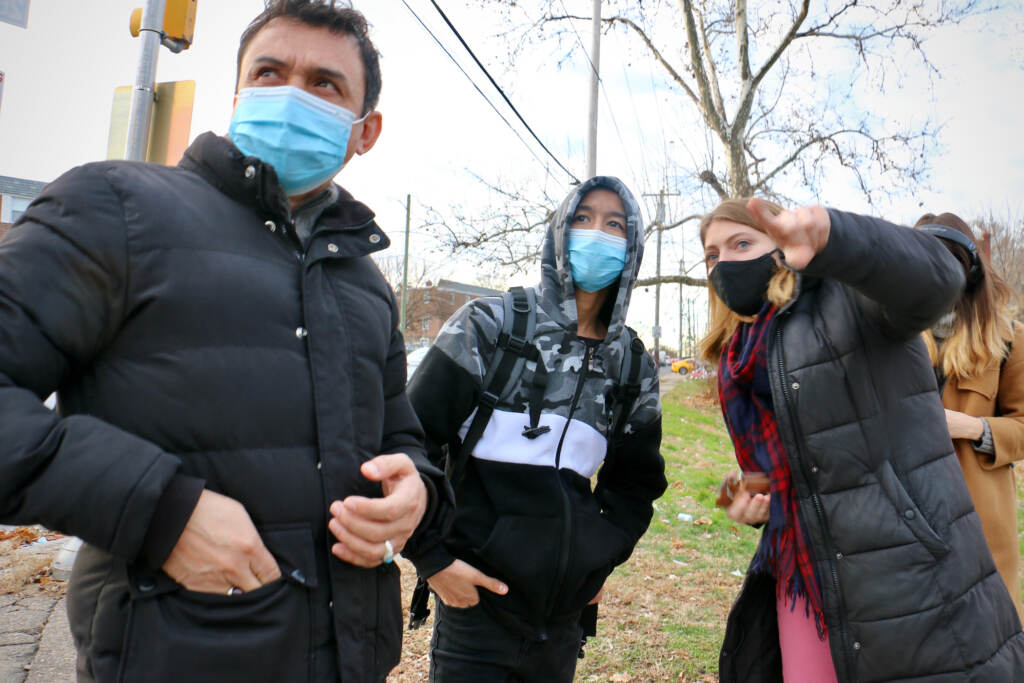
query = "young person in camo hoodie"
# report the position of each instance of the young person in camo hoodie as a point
(533, 543)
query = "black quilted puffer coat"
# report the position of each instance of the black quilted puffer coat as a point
(189, 334)
(909, 588)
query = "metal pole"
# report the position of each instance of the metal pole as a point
(145, 80)
(595, 60)
(405, 266)
(657, 286)
(689, 326)
(681, 271)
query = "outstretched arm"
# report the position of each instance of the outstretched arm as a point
(906, 279)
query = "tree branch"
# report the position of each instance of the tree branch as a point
(715, 118)
(712, 180)
(657, 54)
(673, 279)
(750, 86)
(742, 40)
(712, 67)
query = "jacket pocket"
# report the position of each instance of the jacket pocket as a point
(597, 547)
(174, 634)
(908, 511)
(524, 552)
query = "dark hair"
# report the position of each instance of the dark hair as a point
(982, 323)
(338, 20)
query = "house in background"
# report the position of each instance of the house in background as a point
(15, 196)
(427, 308)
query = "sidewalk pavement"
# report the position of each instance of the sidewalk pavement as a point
(35, 641)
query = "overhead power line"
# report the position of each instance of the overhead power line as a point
(482, 94)
(496, 86)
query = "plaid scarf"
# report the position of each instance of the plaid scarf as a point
(746, 398)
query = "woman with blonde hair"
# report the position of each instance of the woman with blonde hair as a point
(872, 563)
(978, 353)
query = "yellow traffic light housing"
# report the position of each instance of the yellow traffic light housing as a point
(180, 20)
(179, 24)
(135, 23)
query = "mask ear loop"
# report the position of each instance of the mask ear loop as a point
(782, 259)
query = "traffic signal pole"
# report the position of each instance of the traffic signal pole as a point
(141, 111)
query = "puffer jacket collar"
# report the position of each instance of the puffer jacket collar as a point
(253, 183)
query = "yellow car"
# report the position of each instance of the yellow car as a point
(683, 365)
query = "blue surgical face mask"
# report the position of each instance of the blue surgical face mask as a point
(302, 136)
(595, 258)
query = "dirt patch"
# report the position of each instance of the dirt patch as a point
(704, 396)
(26, 556)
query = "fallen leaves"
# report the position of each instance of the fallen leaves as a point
(25, 535)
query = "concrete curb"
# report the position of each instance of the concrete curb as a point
(54, 661)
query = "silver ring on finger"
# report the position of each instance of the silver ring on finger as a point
(235, 590)
(389, 553)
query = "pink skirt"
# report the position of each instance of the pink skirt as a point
(805, 658)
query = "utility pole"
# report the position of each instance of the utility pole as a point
(595, 63)
(681, 271)
(405, 266)
(689, 326)
(660, 227)
(151, 33)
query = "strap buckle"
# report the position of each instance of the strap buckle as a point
(533, 432)
(513, 343)
(489, 399)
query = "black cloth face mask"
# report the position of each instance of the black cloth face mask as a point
(743, 285)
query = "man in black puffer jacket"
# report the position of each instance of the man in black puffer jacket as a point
(233, 440)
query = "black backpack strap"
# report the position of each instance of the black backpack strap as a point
(513, 348)
(627, 390)
(538, 386)
(419, 605)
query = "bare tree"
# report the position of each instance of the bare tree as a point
(419, 277)
(759, 76)
(507, 234)
(755, 77)
(1004, 240)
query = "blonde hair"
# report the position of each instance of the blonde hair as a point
(983, 325)
(723, 321)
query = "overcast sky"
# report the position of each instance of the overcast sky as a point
(62, 70)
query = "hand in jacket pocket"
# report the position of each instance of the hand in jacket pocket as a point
(220, 549)
(963, 426)
(457, 584)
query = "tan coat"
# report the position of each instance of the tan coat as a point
(991, 479)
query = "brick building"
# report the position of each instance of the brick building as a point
(429, 307)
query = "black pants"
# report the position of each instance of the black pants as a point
(469, 645)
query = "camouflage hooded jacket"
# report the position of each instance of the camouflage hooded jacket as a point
(526, 511)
